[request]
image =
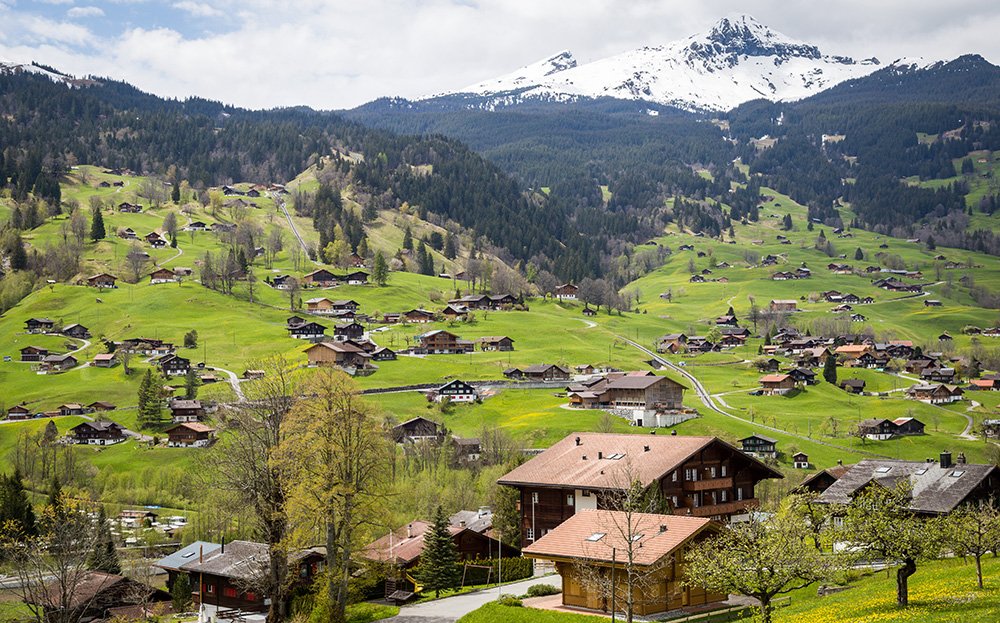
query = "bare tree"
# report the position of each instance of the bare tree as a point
(496, 446)
(135, 262)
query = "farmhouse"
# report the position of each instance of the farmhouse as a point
(342, 354)
(878, 429)
(935, 394)
(821, 480)
(155, 240)
(454, 312)
(348, 331)
(597, 539)
(937, 488)
(162, 275)
(182, 411)
(418, 316)
(783, 306)
(98, 433)
(71, 408)
(321, 306)
(58, 363)
(39, 325)
(101, 405)
(699, 476)
(190, 435)
(454, 391)
(646, 397)
(495, 342)
(440, 342)
(356, 278)
(174, 365)
(935, 374)
(102, 280)
(759, 446)
(96, 595)
(321, 278)
(307, 331)
(849, 354)
(129, 208)
(800, 460)
(540, 373)
(417, 429)
(78, 331)
(567, 291)
(33, 353)
(908, 426)
(776, 384)
(588, 311)
(383, 353)
(853, 386)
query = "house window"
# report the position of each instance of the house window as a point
(229, 591)
(585, 493)
(208, 589)
(696, 500)
(725, 495)
(251, 596)
(739, 493)
(529, 534)
(534, 497)
(723, 470)
(673, 476)
(673, 501)
(712, 471)
(569, 500)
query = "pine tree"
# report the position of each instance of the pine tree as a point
(859, 254)
(175, 192)
(830, 370)
(149, 400)
(450, 249)
(931, 245)
(191, 383)
(104, 556)
(786, 223)
(15, 508)
(180, 592)
(380, 270)
(55, 495)
(407, 239)
(438, 567)
(97, 231)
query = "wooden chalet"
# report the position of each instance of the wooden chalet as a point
(383, 353)
(759, 446)
(908, 426)
(776, 384)
(343, 354)
(821, 480)
(495, 343)
(596, 539)
(320, 305)
(71, 408)
(162, 275)
(356, 278)
(937, 487)
(321, 278)
(454, 312)
(348, 331)
(878, 429)
(155, 240)
(102, 280)
(105, 360)
(699, 476)
(101, 405)
(588, 311)
(783, 305)
(183, 410)
(803, 376)
(544, 373)
(33, 353)
(455, 391)
(937, 374)
(190, 435)
(645, 396)
(18, 412)
(418, 316)
(567, 291)
(174, 365)
(800, 460)
(129, 208)
(440, 342)
(417, 429)
(39, 325)
(98, 433)
(76, 330)
(935, 393)
(96, 596)
(58, 363)
(853, 386)
(307, 331)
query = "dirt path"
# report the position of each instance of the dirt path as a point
(234, 381)
(284, 208)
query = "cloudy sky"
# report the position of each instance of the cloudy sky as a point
(341, 53)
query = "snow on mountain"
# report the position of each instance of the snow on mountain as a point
(10, 67)
(737, 60)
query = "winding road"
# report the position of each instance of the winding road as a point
(234, 381)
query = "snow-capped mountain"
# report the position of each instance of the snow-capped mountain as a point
(10, 67)
(737, 60)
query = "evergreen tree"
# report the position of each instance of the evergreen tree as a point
(380, 269)
(931, 245)
(15, 508)
(97, 231)
(180, 592)
(149, 399)
(859, 254)
(55, 494)
(809, 226)
(450, 248)
(407, 239)
(104, 556)
(175, 192)
(830, 370)
(786, 223)
(191, 383)
(438, 567)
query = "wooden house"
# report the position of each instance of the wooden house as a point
(71, 408)
(645, 397)
(759, 446)
(155, 240)
(589, 311)
(567, 291)
(455, 391)
(932, 303)
(348, 331)
(307, 331)
(546, 373)
(190, 435)
(356, 278)
(699, 476)
(183, 411)
(440, 342)
(76, 330)
(383, 353)
(58, 363)
(18, 412)
(162, 275)
(936, 374)
(39, 325)
(98, 433)
(776, 384)
(454, 312)
(417, 429)
(595, 539)
(101, 405)
(96, 596)
(853, 386)
(936, 393)
(174, 365)
(105, 360)
(878, 429)
(803, 376)
(908, 426)
(321, 278)
(129, 208)
(341, 354)
(495, 343)
(33, 353)
(102, 280)
(418, 316)
(321, 306)
(800, 460)
(783, 305)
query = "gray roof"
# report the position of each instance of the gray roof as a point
(478, 521)
(240, 560)
(187, 554)
(935, 490)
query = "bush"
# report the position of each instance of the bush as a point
(541, 590)
(511, 601)
(512, 569)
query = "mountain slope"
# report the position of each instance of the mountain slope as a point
(737, 60)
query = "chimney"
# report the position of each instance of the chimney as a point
(584, 457)
(673, 433)
(840, 462)
(600, 455)
(645, 448)
(663, 528)
(461, 524)
(945, 459)
(201, 554)
(409, 531)
(961, 458)
(223, 545)
(652, 432)
(578, 442)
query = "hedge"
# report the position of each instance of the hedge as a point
(512, 569)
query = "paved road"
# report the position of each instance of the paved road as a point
(451, 609)
(233, 380)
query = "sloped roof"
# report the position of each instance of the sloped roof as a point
(578, 537)
(186, 554)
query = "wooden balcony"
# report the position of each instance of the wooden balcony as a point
(726, 508)
(708, 484)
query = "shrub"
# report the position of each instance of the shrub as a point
(510, 600)
(541, 590)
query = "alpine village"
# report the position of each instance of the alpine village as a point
(461, 359)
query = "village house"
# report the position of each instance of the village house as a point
(76, 330)
(146, 346)
(649, 399)
(935, 374)
(183, 411)
(101, 405)
(97, 596)
(849, 354)
(321, 278)
(937, 488)
(129, 208)
(221, 576)
(356, 278)
(454, 391)
(105, 360)
(18, 412)
(155, 240)
(401, 549)
(33, 353)
(440, 342)
(98, 433)
(908, 426)
(783, 305)
(39, 325)
(320, 306)
(699, 476)
(989, 385)
(813, 357)
(348, 331)
(71, 408)
(307, 331)
(803, 376)
(383, 353)
(853, 386)
(343, 354)
(935, 394)
(58, 363)
(102, 280)
(672, 343)
(759, 446)
(877, 429)
(800, 460)
(190, 435)
(454, 312)
(932, 303)
(418, 316)
(417, 429)
(174, 365)
(776, 384)
(495, 343)
(588, 311)
(567, 291)
(162, 275)
(821, 480)
(539, 373)
(596, 539)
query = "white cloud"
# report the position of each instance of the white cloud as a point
(198, 9)
(85, 11)
(341, 54)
